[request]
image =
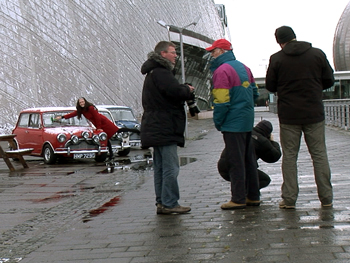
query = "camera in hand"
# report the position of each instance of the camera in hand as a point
(192, 104)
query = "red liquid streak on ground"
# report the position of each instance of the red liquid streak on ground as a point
(103, 208)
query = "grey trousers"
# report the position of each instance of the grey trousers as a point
(314, 135)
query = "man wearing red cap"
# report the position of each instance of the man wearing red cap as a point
(299, 73)
(234, 94)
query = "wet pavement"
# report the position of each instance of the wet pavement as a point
(83, 212)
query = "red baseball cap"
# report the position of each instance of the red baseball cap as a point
(220, 43)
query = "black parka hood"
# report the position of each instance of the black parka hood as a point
(296, 48)
(163, 97)
(154, 61)
(299, 73)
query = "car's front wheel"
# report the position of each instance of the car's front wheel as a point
(49, 156)
(124, 152)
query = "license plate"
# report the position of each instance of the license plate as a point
(83, 155)
(134, 144)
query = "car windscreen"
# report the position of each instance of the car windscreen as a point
(49, 121)
(122, 114)
(107, 114)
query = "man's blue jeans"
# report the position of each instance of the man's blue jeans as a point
(166, 170)
(314, 134)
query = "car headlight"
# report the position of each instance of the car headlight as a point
(61, 137)
(119, 136)
(95, 138)
(137, 126)
(103, 136)
(74, 139)
(85, 134)
(125, 134)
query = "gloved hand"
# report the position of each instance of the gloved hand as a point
(192, 105)
(56, 119)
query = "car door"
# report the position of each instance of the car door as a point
(35, 132)
(29, 132)
(21, 130)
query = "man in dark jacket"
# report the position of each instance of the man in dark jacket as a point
(163, 124)
(299, 73)
(265, 147)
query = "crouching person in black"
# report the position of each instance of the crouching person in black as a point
(265, 148)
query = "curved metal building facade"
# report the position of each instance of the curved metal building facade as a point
(341, 43)
(54, 52)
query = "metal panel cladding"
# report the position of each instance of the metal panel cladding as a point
(53, 52)
(341, 43)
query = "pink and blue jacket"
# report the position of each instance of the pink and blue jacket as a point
(234, 94)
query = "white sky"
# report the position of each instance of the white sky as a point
(252, 24)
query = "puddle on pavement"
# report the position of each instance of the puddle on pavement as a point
(10, 259)
(339, 227)
(316, 227)
(186, 160)
(201, 135)
(77, 172)
(139, 163)
(47, 173)
(100, 210)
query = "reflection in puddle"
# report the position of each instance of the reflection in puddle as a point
(309, 227)
(139, 163)
(112, 168)
(186, 160)
(10, 260)
(47, 173)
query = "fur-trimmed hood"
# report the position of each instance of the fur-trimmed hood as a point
(154, 61)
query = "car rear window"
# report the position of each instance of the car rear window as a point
(122, 114)
(23, 120)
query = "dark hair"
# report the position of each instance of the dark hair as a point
(163, 46)
(80, 109)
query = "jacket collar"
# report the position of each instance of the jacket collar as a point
(227, 56)
(160, 60)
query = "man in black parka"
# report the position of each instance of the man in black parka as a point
(163, 123)
(265, 147)
(299, 73)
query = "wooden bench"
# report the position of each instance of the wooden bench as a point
(19, 155)
(16, 153)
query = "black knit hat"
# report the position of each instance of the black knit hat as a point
(265, 127)
(284, 34)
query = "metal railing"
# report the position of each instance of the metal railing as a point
(337, 113)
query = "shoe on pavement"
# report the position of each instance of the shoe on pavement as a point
(252, 202)
(175, 210)
(159, 208)
(283, 205)
(232, 205)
